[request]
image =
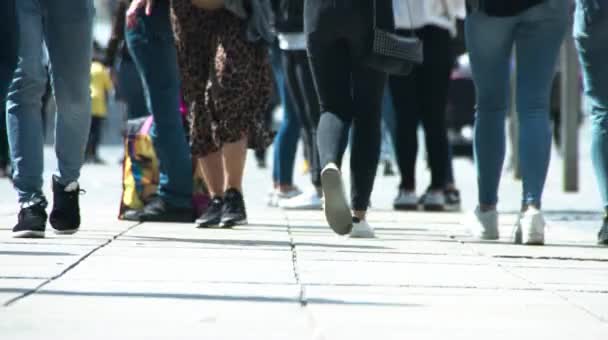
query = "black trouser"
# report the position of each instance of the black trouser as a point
(8, 61)
(348, 91)
(94, 136)
(422, 97)
(301, 88)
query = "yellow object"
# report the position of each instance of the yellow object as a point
(101, 84)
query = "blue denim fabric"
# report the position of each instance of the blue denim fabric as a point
(66, 27)
(591, 36)
(538, 34)
(8, 61)
(152, 46)
(286, 140)
(130, 89)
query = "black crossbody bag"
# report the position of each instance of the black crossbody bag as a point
(393, 53)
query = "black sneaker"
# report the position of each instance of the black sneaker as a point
(31, 221)
(65, 216)
(213, 215)
(602, 236)
(234, 209)
(452, 200)
(157, 210)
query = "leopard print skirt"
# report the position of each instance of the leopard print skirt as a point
(226, 80)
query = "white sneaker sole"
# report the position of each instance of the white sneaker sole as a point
(65, 232)
(360, 232)
(232, 224)
(28, 234)
(337, 209)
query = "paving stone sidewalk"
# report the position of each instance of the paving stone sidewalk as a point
(287, 276)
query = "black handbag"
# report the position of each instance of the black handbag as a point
(393, 53)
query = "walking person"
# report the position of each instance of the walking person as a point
(591, 36)
(151, 44)
(101, 85)
(8, 61)
(67, 28)
(287, 138)
(129, 87)
(420, 98)
(536, 28)
(289, 17)
(227, 85)
(349, 92)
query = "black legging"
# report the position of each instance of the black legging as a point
(301, 88)
(422, 97)
(8, 61)
(349, 92)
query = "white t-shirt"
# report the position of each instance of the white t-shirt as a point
(413, 14)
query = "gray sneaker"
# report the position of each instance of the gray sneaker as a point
(483, 225)
(337, 209)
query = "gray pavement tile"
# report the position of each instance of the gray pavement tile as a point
(594, 303)
(398, 313)
(408, 274)
(76, 318)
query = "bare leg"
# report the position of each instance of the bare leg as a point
(235, 155)
(212, 169)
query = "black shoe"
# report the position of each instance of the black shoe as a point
(234, 209)
(65, 216)
(388, 169)
(157, 210)
(452, 200)
(31, 220)
(213, 215)
(602, 236)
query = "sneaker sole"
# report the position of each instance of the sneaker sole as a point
(65, 232)
(28, 234)
(337, 209)
(406, 207)
(433, 207)
(231, 224)
(206, 225)
(364, 233)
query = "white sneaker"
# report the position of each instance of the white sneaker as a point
(433, 200)
(406, 200)
(272, 198)
(281, 196)
(337, 209)
(483, 225)
(362, 229)
(530, 228)
(308, 200)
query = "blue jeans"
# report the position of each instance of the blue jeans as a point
(286, 140)
(538, 34)
(8, 61)
(67, 28)
(131, 90)
(152, 46)
(591, 34)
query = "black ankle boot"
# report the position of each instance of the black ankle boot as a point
(65, 216)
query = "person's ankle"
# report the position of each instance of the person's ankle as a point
(528, 206)
(486, 208)
(360, 215)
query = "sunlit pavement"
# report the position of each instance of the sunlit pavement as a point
(287, 276)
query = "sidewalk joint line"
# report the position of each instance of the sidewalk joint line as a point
(69, 268)
(294, 263)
